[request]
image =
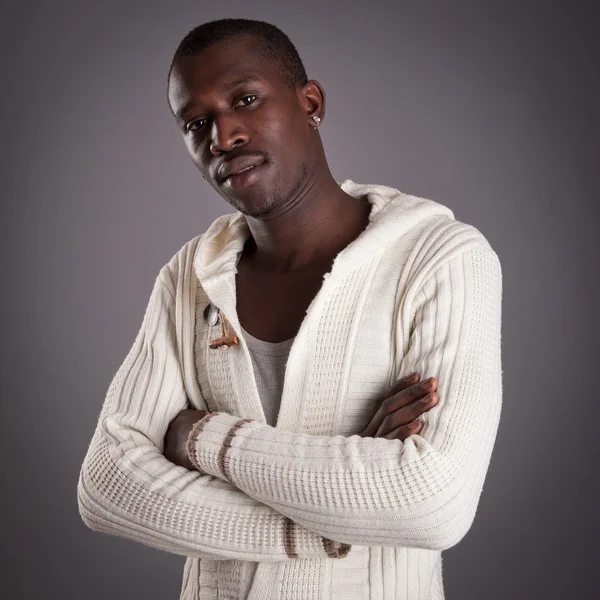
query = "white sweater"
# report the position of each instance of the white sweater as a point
(307, 509)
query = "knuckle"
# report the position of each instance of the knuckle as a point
(417, 392)
(415, 409)
(420, 390)
(401, 385)
(424, 402)
(388, 421)
(404, 398)
(385, 405)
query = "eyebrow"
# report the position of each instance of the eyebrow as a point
(226, 88)
(247, 79)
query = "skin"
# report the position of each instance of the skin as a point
(228, 102)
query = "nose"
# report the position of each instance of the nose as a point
(226, 134)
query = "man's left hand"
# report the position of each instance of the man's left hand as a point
(177, 436)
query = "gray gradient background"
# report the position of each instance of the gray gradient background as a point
(491, 110)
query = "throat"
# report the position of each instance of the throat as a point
(310, 243)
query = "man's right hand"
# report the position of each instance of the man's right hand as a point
(397, 417)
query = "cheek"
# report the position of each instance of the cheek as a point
(286, 139)
(195, 148)
(191, 145)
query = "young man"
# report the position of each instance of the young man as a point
(263, 424)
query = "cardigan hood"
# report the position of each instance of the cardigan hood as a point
(393, 213)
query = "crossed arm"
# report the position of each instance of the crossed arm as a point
(128, 488)
(259, 493)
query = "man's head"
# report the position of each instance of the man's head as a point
(241, 98)
(273, 45)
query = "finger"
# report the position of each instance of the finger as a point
(402, 384)
(393, 402)
(409, 395)
(399, 400)
(407, 414)
(405, 431)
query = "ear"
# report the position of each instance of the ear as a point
(312, 99)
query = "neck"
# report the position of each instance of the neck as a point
(311, 229)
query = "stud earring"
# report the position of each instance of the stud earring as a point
(317, 121)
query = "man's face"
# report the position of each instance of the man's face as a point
(235, 111)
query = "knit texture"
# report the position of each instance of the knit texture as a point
(306, 508)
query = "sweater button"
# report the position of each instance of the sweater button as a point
(211, 314)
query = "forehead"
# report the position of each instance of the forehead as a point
(217, 69)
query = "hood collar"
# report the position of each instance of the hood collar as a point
(392, 214)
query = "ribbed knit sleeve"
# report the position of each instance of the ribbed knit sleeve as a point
(422, 492)
(128, 488)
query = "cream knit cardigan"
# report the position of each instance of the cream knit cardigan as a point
(308, 509)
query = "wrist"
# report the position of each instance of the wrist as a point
(210, 442)
(195, 431)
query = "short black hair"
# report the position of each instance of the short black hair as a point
(274, 45)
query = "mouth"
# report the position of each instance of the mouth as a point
(243, 177)
(241, 171)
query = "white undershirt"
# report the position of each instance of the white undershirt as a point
(269, 360)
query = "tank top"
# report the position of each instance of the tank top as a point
(268, 361)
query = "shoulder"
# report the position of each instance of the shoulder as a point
(446, 237)
(443, 240)
(179, 268)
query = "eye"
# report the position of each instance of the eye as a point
(246, 100)
(195, 125)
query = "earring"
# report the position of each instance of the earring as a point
(317, 121)
(202, 176)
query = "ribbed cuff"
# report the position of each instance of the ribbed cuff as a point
(210, 440)
(194, 433)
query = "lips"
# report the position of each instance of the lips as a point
(238, 164)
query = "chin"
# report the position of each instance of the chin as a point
(266, 196)
(255, 205)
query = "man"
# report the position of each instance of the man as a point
(264, 423)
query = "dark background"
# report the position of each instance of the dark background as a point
(489, 108)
